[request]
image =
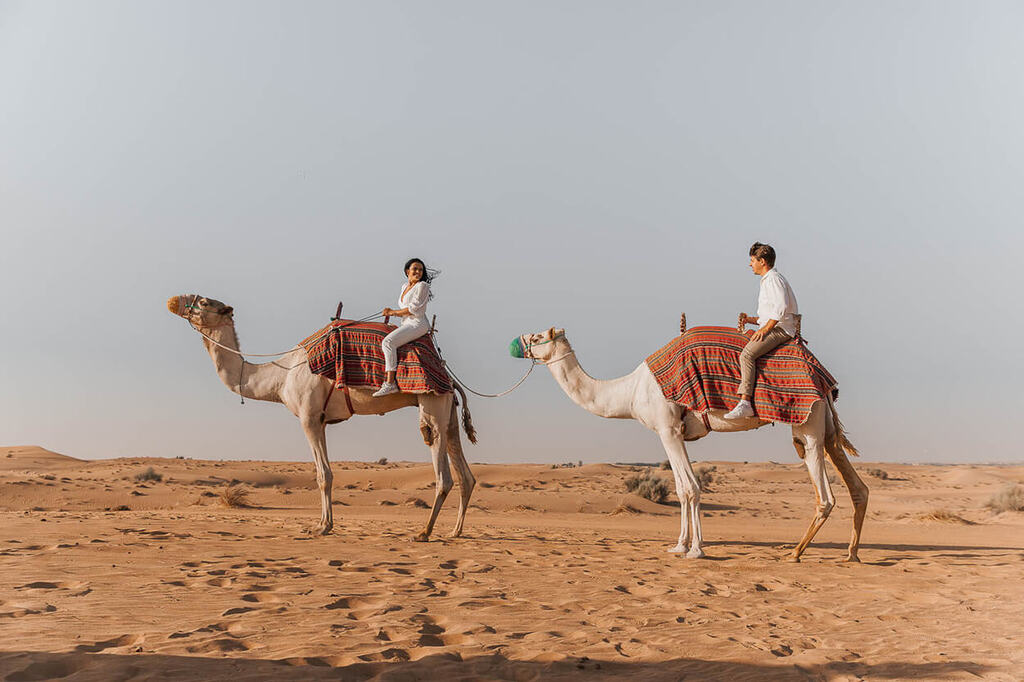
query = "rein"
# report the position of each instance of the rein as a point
(533, 363)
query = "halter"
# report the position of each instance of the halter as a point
(526, 349)
(193, 309)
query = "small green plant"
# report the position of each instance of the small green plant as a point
(649, 485)
(1010, 498)
(149, 474)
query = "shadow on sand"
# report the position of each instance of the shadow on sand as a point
(25, 666)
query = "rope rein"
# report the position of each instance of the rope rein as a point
(265, 355)
(534, 362)
(516, 385)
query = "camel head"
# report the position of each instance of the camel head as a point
(200, 311)
(539, 347)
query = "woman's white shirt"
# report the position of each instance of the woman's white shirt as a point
(415, 300)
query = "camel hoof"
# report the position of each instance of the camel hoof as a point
(853, 559)
(793, 559)
(420, 537)
(678, 549)
(696, 553)
(320, 530)
(455, 534)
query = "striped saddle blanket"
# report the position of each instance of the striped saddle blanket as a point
(349, 354)
(701, 370)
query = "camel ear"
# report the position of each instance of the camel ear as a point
(557, 332)
(551, 333)
(227, 310)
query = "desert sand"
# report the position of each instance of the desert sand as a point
(560, 574)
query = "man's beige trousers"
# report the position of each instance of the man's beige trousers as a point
(752, 351)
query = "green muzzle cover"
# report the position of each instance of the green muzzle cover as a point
(515, 349)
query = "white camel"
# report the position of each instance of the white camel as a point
(638, 396)
(311, 399)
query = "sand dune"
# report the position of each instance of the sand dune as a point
(108, 577)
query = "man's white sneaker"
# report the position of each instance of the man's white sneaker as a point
(742, 409)
(387, 388)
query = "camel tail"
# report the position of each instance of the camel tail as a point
(841, 439)
(467, 418)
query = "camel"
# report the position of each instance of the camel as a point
(310, 398)
(638, 396)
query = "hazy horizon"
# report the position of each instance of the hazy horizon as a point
(595, 166)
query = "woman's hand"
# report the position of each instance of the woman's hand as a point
(387, 312)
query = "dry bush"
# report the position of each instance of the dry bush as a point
(704, 475)
(149, 474)
(648, 485)
(235, 495)
(878, 473)
(944, 516)
(666, 465)
(1010, 498)
(417, 502)
(625, 508)
(382, 461)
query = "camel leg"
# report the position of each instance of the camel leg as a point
(442, 469)
(814, 458)
(462, 471)
(317, 437)
(688, 491)
(858, 494)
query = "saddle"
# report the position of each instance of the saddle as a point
(700, 369)
(348, 353)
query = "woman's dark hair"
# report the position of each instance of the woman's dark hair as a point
(758, 250)
(429, 274)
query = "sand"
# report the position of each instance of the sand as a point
(107, 578)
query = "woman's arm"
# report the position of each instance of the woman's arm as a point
(400, 312)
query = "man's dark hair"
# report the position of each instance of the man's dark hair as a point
(764, 252)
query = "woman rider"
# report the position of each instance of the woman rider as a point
(412, 309)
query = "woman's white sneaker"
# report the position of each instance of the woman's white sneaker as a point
(387, 388)
(742, 409)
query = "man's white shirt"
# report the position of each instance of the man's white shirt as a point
(776, 301)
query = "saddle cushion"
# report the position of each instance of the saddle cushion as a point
(349, 354)
(701, 370)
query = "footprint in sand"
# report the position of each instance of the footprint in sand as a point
(113, 643)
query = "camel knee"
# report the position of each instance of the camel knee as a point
(825, 508)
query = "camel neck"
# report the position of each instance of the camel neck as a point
(611, 398)
(256, 382)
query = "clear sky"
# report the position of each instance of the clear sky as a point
(597, 166)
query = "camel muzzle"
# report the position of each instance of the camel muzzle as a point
(515, 349)
(175, 305)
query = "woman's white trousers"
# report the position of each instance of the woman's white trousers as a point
(406, 332)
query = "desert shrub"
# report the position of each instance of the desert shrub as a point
(1010, 498)
(649, 485)
(666, 465)
(944, 516)
(878, 473)
(235, 496)
(382, 461)
(149, 474)
(625, 508)
(704, 475)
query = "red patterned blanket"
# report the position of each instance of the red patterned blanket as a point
(349, 354)
(701, 370)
